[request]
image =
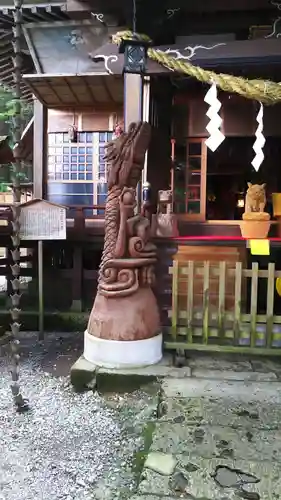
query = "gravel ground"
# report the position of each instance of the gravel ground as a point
(68, 446)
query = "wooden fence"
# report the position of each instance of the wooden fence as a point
(205, 320)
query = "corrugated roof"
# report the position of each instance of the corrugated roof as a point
(93, 89)
(31, 13)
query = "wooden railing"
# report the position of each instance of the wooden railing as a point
(81, 213)
(203, 318)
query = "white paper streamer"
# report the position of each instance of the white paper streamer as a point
(259, 142)
(216, 136)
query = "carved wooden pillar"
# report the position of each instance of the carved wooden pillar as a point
(145, 117)
(133, 111)
(40, 145)
(124, 327)
(132, 99)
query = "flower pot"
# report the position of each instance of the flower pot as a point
(255, 225)
(276, 202)
(255, 230)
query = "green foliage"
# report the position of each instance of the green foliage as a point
(8, 105)
(8, 108)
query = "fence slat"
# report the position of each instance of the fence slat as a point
(190, 288)
(238, 298)
(221, 305)
(254, 302)
(175, 297)
(206, 302)
(270, 304)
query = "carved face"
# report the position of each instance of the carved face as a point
(165, 196)
(256, 191)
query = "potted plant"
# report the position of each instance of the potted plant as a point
(256, 222)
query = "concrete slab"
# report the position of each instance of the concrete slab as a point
(219, 362)
(132, 378)
(234, 375)
(217, 441)
(195, 411)
(267, 365)
(194, 478)
(237, 390)
(83, 374)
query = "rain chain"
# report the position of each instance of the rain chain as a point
(20, 403)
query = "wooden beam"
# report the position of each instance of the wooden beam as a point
(132, 99)
(39, 148)
(133, 92)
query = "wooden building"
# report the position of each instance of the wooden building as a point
(74, 74)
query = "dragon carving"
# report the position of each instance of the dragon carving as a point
(128, 256)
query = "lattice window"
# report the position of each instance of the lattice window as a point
(77, 172)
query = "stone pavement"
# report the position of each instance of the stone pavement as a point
(218, 433)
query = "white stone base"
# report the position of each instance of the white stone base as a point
(122, 354)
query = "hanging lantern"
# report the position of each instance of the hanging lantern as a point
(135, 55)
(146, 192)
(240, 200)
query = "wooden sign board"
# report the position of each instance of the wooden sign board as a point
(42, 220)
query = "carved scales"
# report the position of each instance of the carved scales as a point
(20, 402)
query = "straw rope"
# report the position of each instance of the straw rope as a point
(264, 91)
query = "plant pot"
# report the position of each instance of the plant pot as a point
(255, 225)
(255, 229)
(276, 202)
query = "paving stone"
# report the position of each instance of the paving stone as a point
(201, 484)
(234, 375)
(236, 390)
(151, 497)
(162, 463)
(225, 412)
(220, 363)
(217, 441)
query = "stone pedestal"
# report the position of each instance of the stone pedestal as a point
(124, 332)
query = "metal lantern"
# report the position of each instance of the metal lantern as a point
(135, 55)
(146, 192)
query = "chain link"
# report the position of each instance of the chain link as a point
(20, 403)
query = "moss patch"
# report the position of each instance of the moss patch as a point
(121, 383)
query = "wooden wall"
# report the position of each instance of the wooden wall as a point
(238, 113)
(89, 121)
(159, 156)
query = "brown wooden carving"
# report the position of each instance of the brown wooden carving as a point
(128, 255)
(125, 307)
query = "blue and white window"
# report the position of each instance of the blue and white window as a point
(77, 171)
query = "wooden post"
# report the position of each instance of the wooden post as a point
(145, 117)
(77, 273)
(40, 290)
(133, 98)
(40, 145)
